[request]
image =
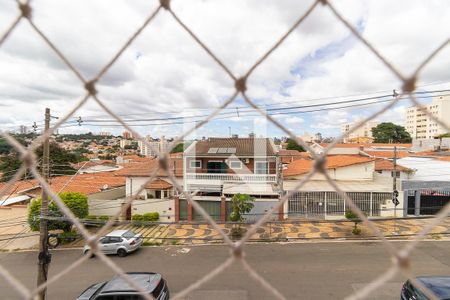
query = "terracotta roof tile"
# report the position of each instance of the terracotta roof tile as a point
(303, 166)
(158, 184)
(387, 165)
(145, 169)
(83, 183)
(387, 154)
(288, 156)
(242, 146)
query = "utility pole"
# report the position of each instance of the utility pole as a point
(394, 189)
(44, 257)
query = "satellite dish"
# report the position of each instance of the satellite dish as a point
(105, 186)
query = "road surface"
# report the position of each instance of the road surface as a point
(330, 270)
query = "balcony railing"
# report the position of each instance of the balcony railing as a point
(232, 177)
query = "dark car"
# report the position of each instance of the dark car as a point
(439, 285)
(118, 289)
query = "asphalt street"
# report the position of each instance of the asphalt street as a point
(298, 271)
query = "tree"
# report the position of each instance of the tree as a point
(6, 148)
(132, 146)
(76, 202)
(444, 135)
(240, 205)
(292, 145)
(59, 162)
(389, 132)
(178, 148)
(352, 216)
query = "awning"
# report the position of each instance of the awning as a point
(13, 200)
(249, 188)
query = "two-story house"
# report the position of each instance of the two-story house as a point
(354, 174)
(218, 168)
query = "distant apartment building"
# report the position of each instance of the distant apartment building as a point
(161, 145)
(23, 129)
(127, 135)
(361, 134)
(104, 133)
(308, 138)
(124, 143)
(420, 126)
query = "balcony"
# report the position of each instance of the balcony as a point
(219, 179)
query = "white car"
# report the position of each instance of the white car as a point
(120, 242)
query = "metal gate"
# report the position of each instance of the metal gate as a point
(183, 210)
(431, 201)
(212, 208)
(322, 204)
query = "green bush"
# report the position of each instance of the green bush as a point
(68, 237)
(103, 218)
(76, 202)
(150, 217)
(137, 219)
(356, 231)
(91, 217)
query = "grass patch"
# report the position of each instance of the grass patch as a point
(151, 244)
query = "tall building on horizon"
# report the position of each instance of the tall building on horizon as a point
(127, 135)
(23, 129)
(420, 126)
(161, 145)
(363, 134)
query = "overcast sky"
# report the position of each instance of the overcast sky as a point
(166, 74)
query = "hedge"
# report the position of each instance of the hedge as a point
(76, 202)
(150, 217)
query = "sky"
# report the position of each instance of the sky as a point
(165, 75)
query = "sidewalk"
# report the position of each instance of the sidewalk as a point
(286, 231)
(404, 229)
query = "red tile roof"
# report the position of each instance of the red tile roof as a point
(303, 166)
(159, 184)
(288, 156)
(145, 169)
(240, 146)
(83, 183)
(387, 154)
(387, 165)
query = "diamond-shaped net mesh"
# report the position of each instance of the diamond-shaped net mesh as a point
(401, 257)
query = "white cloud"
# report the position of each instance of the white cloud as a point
(294, 120)
(165, 70)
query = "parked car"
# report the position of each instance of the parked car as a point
(439, 285)
(120, 242)
(118, 288)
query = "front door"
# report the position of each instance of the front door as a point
(216, 167)
(128, 214)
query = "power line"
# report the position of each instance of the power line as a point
(251, 112)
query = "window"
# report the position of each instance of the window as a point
(104, 240)
(235, 164)
(129, 234)
(195, 164)
(261, 167)
(397, 174)
(158, 194)
(115, 240)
